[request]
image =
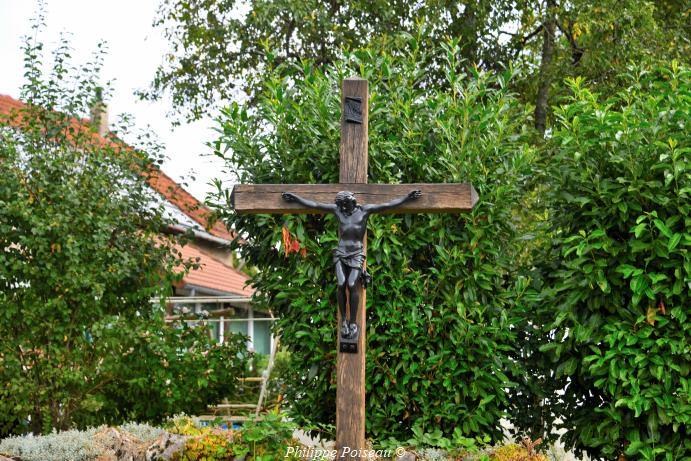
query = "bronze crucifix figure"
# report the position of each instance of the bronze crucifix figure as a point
(349, 256)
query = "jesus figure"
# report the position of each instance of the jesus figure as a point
(349, 257)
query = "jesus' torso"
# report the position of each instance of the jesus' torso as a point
(352, 228)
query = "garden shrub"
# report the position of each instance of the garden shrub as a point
(515, 452)
(212, 445)
(74, 445)
(265, 439)
(142, 431)
(165, 369)
(441, 304)
(616, 281)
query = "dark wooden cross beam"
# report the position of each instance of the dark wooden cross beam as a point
(436, 198)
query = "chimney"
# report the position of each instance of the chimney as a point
(99, 113)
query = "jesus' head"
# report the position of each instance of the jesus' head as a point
(345, 200)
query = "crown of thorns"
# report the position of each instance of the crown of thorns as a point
(344, 196)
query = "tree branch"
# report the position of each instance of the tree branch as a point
(545, 78)
(576, 51)
(537, 30)
(524, 40)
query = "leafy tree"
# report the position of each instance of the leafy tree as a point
(615, 276)
(82, 254)
(220, 49)
(442, 302)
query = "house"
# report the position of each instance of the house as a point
(216, 286)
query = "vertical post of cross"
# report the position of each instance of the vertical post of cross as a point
(350, 368)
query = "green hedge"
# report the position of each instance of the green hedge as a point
(597, 345)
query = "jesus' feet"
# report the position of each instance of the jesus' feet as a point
(353, 330)
(345, 329)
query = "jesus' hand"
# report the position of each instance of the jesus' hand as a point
(414, 195)
(288, 197)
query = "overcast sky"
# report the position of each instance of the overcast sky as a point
(135, 49)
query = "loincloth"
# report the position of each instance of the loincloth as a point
(355, 260)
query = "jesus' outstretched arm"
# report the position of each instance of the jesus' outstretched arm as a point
(290, 197)
(377, 207)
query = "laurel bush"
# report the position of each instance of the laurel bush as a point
(615, 276)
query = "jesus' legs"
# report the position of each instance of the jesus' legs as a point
(341, 296)
(354, 292)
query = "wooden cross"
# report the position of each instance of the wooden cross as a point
(436, 198)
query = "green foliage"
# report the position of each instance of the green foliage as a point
(168, 369)
(267, 438)
(441, 305)
(616, 280)
(276, 384)
(597, 39)
(435, 445)
(212, 445)
(513, 452)
(82, 254)
(593, 39)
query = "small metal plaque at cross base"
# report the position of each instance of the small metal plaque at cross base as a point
(349, 345)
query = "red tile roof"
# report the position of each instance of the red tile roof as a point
(214, 274)
(159, 181)
(186, 202)
(8, 103)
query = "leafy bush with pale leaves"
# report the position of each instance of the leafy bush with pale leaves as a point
(83, 250)
(73, 445)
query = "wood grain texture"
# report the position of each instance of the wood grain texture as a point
(353, 166)
(436, 198)
(350, 368)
